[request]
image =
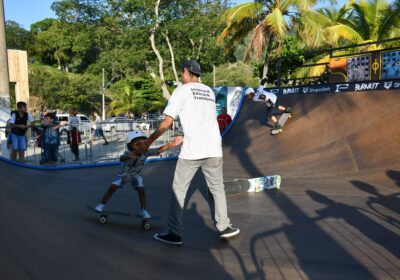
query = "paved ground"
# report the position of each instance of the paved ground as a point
(337, 215)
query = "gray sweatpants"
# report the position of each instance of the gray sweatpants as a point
(184, 173)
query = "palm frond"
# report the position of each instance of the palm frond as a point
(340, 31)
(241, 12)
(257, 42)
(275, 21)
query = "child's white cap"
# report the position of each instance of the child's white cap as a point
(135, 134)
(249, 90)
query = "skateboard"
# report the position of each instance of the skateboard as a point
(282, 120)
(103, 216)
(264, 183)
(259, 184)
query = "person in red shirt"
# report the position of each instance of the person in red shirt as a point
(224, 120)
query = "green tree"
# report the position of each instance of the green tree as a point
(17, 37)
(136, 95)
(355, 22)
(266, 22)
(60, 90)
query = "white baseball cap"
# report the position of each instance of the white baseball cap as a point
(135, 134)
(249, 90)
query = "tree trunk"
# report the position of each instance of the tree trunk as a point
(164, 87)
(171, 51)
(267, 56)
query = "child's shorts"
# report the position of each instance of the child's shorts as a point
(136, 182)
(18, 142)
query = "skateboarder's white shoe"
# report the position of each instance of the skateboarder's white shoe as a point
(145, 214)
(100, 208)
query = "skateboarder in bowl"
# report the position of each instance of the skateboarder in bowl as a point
(262, 95)
(133, 161)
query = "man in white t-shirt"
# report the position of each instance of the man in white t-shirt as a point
(194, 104)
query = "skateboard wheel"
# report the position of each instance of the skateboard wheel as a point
(146, 226)
(103, 219)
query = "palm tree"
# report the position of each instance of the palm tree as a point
(355, 22)
(267, 21)
(137, 95)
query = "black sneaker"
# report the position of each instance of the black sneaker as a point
(229, 232)
(277, 126)
(168, 238)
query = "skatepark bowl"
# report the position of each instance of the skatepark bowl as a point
(336, 216)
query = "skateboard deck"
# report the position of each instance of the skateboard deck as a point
(252, 185)
(282, 120)
(103, 216)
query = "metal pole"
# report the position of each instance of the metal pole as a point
(5, 106)
(214, 70)
(103, 115)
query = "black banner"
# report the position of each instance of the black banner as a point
(338, 88)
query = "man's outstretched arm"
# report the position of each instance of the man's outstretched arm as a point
(164, 126)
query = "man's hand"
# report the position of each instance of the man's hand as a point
(178, 141)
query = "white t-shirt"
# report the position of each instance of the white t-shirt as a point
(30, 118)
(98, 122)
(194, 103)
(73, 121)
(268, 95)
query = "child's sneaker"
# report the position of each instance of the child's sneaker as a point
(145, 214)
(229, 232)
(99, 208)
(277, 126)
(168, 238)
(288, 110)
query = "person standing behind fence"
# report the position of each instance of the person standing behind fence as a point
(19, 125)
(74, 137)
(98, 132)
(50, 138)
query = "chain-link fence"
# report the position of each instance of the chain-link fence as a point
(92, 148)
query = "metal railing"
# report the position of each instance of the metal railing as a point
(340, 52)
(92, 150)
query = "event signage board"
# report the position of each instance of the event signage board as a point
(337, 88)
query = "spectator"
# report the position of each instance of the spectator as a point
(50, 138)
(98, 132)
(19, 125)
(73, 134)
(224, 120)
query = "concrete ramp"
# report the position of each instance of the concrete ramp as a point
(332, 134)
(336, 216)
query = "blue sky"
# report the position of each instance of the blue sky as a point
(26, 12)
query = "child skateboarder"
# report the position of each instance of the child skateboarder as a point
(270, 99)
(131, 170)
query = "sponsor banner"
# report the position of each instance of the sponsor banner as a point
(337, 88)
(228, 97)
(358, 68)
(391, 65)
